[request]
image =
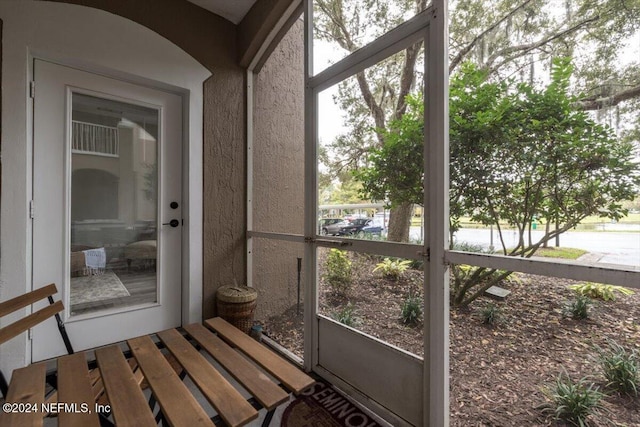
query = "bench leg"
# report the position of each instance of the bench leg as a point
(268, 417)
(104, 421)
(3, 385)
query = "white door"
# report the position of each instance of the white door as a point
(107, 205)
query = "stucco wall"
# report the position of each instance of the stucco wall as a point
(224, 185)
(278, 159)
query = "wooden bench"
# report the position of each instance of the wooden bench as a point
(26, 392)
(29, 381)
(266, 392)
(16, 328)
(206, 355)
(227, 401)
(291, 377)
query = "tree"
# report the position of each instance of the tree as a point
(554, 162)
(505, 38)
(517, 153)
(513, 38)
(347, 191)
(395, 169)
(376, 95)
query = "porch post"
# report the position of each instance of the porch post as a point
(436, 332)
(310, 198)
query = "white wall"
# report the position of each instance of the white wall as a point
(105, 43)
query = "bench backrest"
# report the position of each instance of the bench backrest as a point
(22, 301)
(19, 326)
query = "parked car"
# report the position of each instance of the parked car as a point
(331, 225)
(382, 217)
(351, 217)
(360, 227)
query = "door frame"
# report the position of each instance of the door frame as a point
(52, 172)
(44, 30)
(192, 199)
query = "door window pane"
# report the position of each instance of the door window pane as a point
(114, 188)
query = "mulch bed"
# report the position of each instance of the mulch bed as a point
(497, 372)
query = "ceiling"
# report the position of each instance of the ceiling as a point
(233, 10)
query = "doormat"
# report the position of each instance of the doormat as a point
(97, 288)
(323, 406)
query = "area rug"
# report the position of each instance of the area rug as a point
(96, 288)
(322, 406)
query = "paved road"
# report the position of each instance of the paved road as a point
(607, 247)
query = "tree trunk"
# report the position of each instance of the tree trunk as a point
(547, 230)
(399, 223)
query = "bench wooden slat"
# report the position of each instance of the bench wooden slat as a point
(292, 377)
(98, 386)
(128, 404)
(232, 407)
(259, 385)
(29, 298)
(179, 407)
(74, 386)
(30, 321)
(97, 389)
(26, 386)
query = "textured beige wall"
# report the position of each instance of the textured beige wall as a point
(224, 184)
(278, 193)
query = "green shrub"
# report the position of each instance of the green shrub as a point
(600, 291)
(572, 401)
(468, 247)
(469, 282)
(338, 271)
(490, 314)
(416, 264)
(392, 269)
(411, 310)
(578, 308)
(621, 368)
(346, 316)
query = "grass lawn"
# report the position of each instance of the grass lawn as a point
(564, 253)
(629, 219)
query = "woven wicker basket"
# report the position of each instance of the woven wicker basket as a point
(236, 305)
